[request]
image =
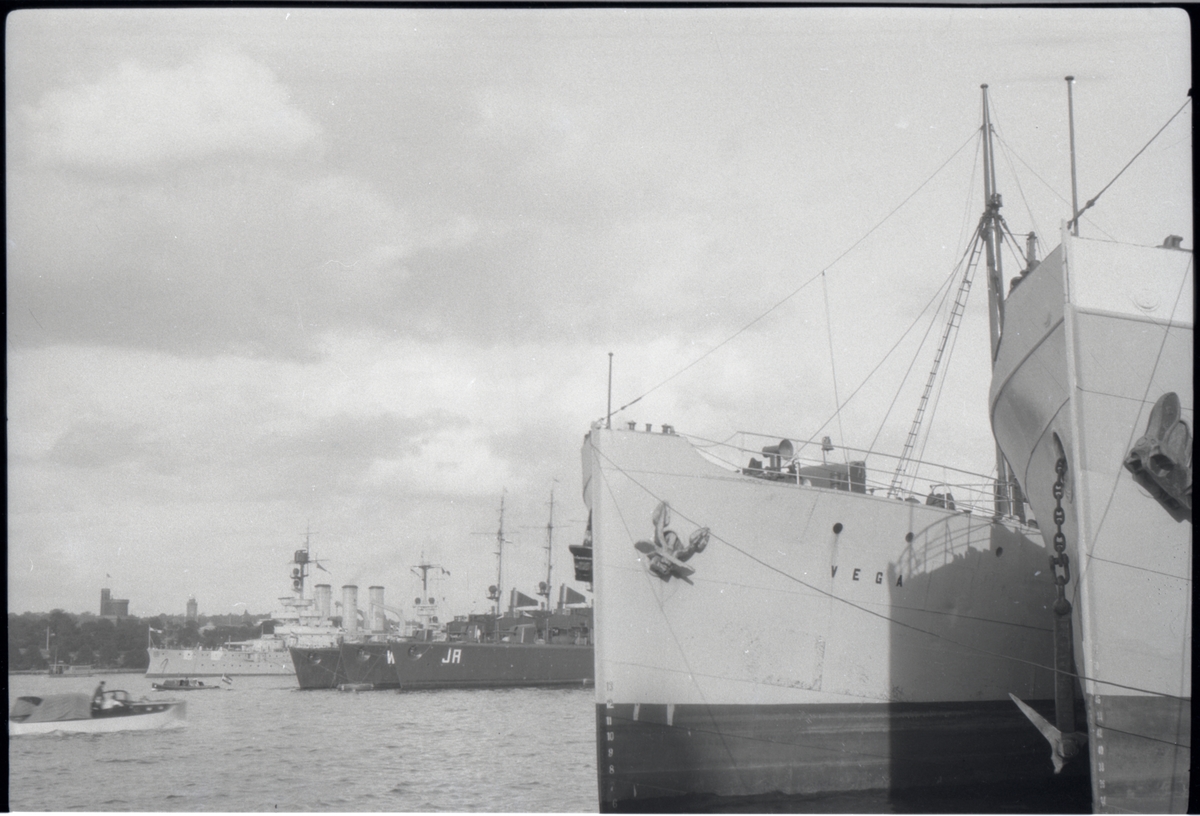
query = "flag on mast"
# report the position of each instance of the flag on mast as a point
(523, 601)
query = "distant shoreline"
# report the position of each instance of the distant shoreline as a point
(78, 674)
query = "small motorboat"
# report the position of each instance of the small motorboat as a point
(184, 684)
(112, 710)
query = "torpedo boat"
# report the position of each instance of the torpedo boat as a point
(527, 645)
(499, 658)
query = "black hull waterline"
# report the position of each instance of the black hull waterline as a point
(828, 643)
(414, 666)
(696, 757)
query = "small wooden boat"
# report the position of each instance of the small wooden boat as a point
(112, 711)
(184, 684)
(57, 669)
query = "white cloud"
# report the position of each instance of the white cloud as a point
(210, 348)
(139, 118)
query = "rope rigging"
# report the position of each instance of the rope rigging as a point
(611, 466)
(1074, 222)
(837, 405)
(802, 286)
(952, 323)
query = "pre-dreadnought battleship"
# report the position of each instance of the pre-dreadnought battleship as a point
(302, 621)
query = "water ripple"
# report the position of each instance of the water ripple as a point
(264, 746)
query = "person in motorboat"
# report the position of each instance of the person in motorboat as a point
(113, 703)
(109, 702)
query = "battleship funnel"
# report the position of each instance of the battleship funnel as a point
(350, 610)
(375, 618)
(323, 596)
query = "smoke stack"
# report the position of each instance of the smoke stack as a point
(350, 610)
(375, 618)
(324, 595)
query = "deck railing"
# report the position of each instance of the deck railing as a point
(821, 464)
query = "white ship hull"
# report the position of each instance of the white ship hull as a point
(827, 640)
(214, 663)
(301, 622)
(1092, 338)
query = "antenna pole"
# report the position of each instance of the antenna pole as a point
(608, 416)
(1071, 125)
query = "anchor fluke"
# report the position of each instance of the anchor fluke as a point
(1062, 746)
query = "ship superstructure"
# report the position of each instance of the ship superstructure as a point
(301, 620)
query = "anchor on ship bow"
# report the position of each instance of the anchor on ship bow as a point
(667, 552)
(1161, 461)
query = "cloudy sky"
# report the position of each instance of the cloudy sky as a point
(359, 271)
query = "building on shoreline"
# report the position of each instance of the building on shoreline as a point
(111, 607)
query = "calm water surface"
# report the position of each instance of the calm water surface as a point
(265, 745)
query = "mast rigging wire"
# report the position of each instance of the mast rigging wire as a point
(944, 290)
(949, 335)
(834, 597)
(1020, 190)
(798, 289)
(1046, 184)
(837, 405)
(1075, 221)
(888, 354)
(937, 398)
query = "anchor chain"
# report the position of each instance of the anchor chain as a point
(1064, 669)
(1060, 558)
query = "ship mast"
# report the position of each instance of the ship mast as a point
(987, 234)
(424, 567)
(425, 609)
(499, 565)
(300, 571)
(990, 228)
(1071, 126)
(549, 550)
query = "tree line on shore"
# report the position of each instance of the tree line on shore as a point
(36, 640)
